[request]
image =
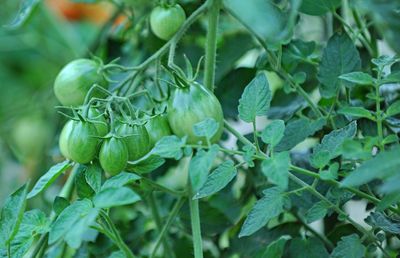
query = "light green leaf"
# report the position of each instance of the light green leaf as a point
(111, 197)
(47, 179)
(24, 12)
(340, 56)
(206, 128)
(273, 133)
(393, 109)
(200, 165)
(76, 234)
(93, 177)
(11, 215)
(217, 180)
(68, 217)
(146, 164)
(276, 169)
(358, 78)
(268, 207)
(383, 165)
(349, 247)
(169, 147)
(120, 180)
(297, 131)
(256, 99)
(319, 7)
(356, 112)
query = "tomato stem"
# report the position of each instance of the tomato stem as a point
(196, 229)
(211, 46)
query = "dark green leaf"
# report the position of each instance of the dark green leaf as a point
(307, 248)
(60, 203)
(319, 7)
(298, 130)
(275, 248)
(255, 99)
(393, 109)
(47, 179)
(340, 56)
(317, 212)
(333, 141)
(276, 169)
(93, 176)
(83, 189)
(76, 234)
(379, 220)
(268, 207)
(349, 247)
(217, 180)
(111, 197)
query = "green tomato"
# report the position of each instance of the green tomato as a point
(191, 105)
(136, 138)
(82, 142)
(63, 140)
(165, 21)
(75, 79)
(157, 127)
(99, 121)
(113, 155)
(30, 137)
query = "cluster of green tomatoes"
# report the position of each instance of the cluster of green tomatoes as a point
(108, 128)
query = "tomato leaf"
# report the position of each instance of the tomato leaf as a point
(383, 165)
(11, 215)
(111, 197)
(275, 248)
(358, 78)
(393, 109)
(169, 147)
(217, 180)
(206, 128)
(120, 180)
(379, 220)
(47, 179)
(146, 164)
(349, 247)
(276, 169)
(319, 7)
(200, 165)
(340, 56)
(68, 217)
(307, 248)
(356, 112)
(93, 177)
(317, 212)
(268, 207)
(273, 132)
(256, 99)
(24, 12)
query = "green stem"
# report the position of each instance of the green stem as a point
(211, 46)
(196, 229)
(163, 188)
(156, 215)
(65, 192)
(119, 241)
(255, 136)
(172, 216)
(379, 112)
(189, 21)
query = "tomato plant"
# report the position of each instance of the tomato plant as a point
(282, 142)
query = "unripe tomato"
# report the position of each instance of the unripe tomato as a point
(63, 140)
(165, 21)
(82, 142)
(192, 104)
(157, 127)
(30, 137)
(113, 155)
(75, 79)
(136, 138)
(99, 121)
